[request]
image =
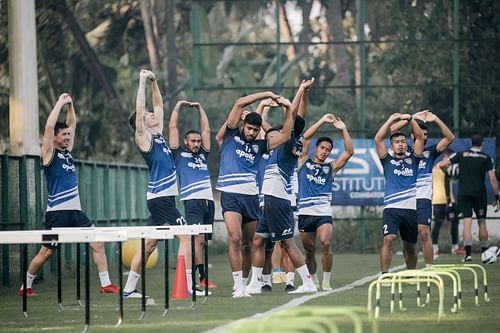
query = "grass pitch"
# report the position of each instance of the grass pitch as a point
(221, 309)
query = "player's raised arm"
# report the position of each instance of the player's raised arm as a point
(204, 125)
(447, 135)
(157, 100)
(234, 116)
(382, 132)
(327, 118)
(142, 135)
(286, 131)
(263, 109)
(48, 134)
(299, 103)
(348, 147)
(418, 134)
(173, 131)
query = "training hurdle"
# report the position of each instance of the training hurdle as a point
(310, 319)
(54, 238)
(404, 277)
(471, 268)
(159, 233)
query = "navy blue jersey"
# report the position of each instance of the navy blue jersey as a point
(239, 163)
(424, 174)
(315, 188)
(194, 178)
(400, 181)
(162, 175)
(62, 183)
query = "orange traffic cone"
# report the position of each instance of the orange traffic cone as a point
(180, 289)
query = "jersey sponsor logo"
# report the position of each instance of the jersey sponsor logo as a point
(316, 179)
(68, 167)
(247, 155)
(287, 232)
(197, 164)
(406, 172)
(422, 164)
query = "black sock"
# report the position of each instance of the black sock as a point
(468, 250)
(201, 271)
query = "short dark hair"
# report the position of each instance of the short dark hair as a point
(322, 139)
(395, 134)
(253, 118)
(477, 139)
(422, 125)
(298, 125)
(131, 120)
(191, 132)
(59, 126)
(274, 129)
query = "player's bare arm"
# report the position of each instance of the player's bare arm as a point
(142, 135)
(173, 131)
(382, 132)
(348, 147)
(204, 125)
(327, 118)
(235, 114)
(286, 131)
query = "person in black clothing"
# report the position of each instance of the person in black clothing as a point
(474, 165)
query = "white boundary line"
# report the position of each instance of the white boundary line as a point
(298, 301)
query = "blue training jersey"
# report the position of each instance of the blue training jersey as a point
(260, 176)
(424, 174)
(239, 163)
(315, 188)
(162, 175)
(400, 181)
(62, 183)
(279, 169)
(193, 174)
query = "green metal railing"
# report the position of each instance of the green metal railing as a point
(111, 194)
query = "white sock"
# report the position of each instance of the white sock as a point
(304, 274)
(435, 247)
(104, 277)
(266, 279)
(290, 278)
(256, 280)
(245, 280)
(454, 246)
(29, 280)
(238, 280)
(314, 277)
(189, 278)
(132, 280)
(428, 265)
(326, 276)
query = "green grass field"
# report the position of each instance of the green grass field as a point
(221, 309)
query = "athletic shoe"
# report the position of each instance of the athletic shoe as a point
(458, 250)
(131, 294)
(289, 287)
(29, 292)
(316, 282)
(199, 292)
(266, 288)
(109, 289)
(304, 289)
(211, 285)
(436, 254)
(326, 286)
(467, 259)
(241, 293)
(253, 289)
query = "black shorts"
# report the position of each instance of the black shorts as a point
(199, 211)
(424, 212)
(466, 204)
(278, 217)
(245, 205)
(311, 223)
(164, 212)
(66, 219)
(404, 220)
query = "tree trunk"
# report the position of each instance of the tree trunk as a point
(94, 64)
(150, 39)
(305, 35)
(171, 54)
(286, 33)
(336, 33)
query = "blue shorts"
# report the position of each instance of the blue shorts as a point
(278, 216)
(424, 212)
(262, 228)
(311, 223)
(65, 219)
(199, 211)
(164, 212)
(245, 205)
(404, 220)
